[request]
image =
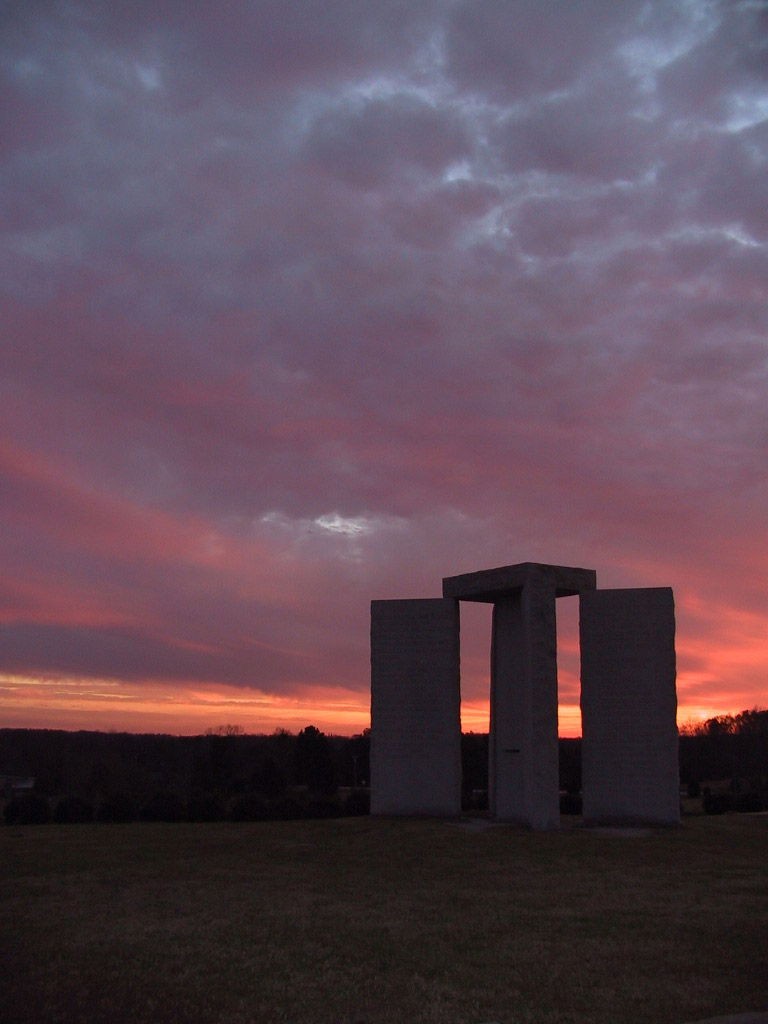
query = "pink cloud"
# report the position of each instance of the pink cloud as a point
(310, 304)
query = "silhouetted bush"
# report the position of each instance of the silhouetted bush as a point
(118, 808)
(749, 803)
(29, 809)
(358, 803)
(319, 807)
(72, 810)
(269, 779)
(286, 809)
(475, 800)
(205, 808)
(474, 767)
(353, 759)
(250, 807)
(569, 751)
(163, 807)
(717, 803)
(570, 803)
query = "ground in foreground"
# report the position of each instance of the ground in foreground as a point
(366, 921)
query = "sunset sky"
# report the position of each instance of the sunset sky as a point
(311, 302)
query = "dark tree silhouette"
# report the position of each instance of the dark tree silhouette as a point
(163, 807)
(118, 807)
(72, 810)
(314, 762)
(269, 779)
(27, 810)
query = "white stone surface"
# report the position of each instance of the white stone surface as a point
(629, 750)
(628, 702)
(523, 749)
(490, 585)
(415, 708)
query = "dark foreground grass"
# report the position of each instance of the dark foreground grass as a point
(382, 922)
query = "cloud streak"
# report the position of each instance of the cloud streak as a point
(310, 304)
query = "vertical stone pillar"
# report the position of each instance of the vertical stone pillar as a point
(628, 706)
(415, 707)
(523, 761)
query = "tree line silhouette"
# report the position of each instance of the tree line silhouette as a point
(730, 750)
(225, 774)
(229, 775)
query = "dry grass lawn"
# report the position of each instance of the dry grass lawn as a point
(364, 921)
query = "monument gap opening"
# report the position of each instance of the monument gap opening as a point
(475, 665)
(568, 667)
(475, 668)
(476, 631)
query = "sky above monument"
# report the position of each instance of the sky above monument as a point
(309, 303)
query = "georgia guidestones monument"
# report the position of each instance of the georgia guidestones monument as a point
(628, 699)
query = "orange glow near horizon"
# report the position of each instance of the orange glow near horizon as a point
(112, 706)
(116, 706)
(184, 708)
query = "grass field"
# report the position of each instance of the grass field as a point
(365, 921)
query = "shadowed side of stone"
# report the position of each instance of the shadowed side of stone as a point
(415, 708)
(628, 704)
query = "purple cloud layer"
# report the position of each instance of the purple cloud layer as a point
(311, 303)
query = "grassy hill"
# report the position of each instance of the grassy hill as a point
(365, 921)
